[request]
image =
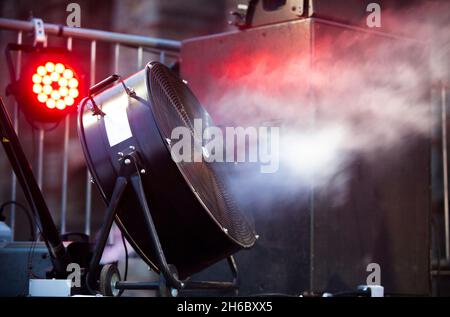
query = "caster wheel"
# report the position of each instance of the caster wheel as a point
(164, 289)
(109, 275)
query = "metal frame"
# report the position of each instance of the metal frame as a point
(93, 35)
(141, 43)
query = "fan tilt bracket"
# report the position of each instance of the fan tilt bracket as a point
(130, 175)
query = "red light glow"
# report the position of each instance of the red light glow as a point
(55, 85)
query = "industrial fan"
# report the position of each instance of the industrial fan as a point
(178, 216)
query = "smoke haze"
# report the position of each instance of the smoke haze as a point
(356, 95)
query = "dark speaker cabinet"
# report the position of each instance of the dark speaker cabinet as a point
(321, 237)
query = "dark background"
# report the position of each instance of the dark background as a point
(181, 20)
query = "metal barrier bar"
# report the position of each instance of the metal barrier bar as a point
(445, 169)
(65, 168)
(116, 58)
(88, 208)
(116, 70)
(40, 158)
(16, 128)
(64, 174)
(140, 52)
(93, 35)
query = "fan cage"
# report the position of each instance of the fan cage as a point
(204, 177)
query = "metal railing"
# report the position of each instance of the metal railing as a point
(444, 118)
(162, 47)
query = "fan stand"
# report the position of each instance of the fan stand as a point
(110, 283)
(168, 284)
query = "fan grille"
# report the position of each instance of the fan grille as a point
(174, 105)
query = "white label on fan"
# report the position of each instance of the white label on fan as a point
(116, 120)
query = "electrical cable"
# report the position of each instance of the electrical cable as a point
(29, 268)
(126, 257)
(126, 261)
